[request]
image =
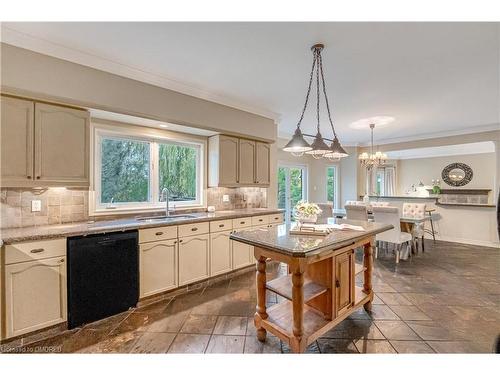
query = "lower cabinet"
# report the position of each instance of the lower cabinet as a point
(194, 258)
(242, 254)
(344, 281)
(220, 253)
(158, 267)
(35, 295)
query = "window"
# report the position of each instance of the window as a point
(380, 182)
(132, 170)
(331, 185)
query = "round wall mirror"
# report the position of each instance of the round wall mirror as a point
(457, 174)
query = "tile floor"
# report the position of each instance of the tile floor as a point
(446, 300)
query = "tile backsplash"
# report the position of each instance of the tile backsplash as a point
(58, 206)
(65, 205)
(244, 197)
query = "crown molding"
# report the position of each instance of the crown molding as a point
(63, 52)
(442, 134)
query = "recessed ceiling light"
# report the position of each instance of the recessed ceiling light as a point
(379, 121)
(163, 126)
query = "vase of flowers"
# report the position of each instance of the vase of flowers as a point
(306, 212)
(436, 187)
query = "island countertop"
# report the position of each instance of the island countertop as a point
(280, 240)
(13, 235)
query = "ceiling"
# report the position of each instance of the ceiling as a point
(431, 77)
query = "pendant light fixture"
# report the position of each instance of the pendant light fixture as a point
(372, 159)
(319, 148)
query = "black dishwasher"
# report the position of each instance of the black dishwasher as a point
(103, 276)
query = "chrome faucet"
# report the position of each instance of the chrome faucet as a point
(165, 195)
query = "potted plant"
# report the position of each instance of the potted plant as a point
(306, 212)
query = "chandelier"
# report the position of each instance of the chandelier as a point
(319, 148)
(369, 160)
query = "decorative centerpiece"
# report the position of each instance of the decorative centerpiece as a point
(306, 212)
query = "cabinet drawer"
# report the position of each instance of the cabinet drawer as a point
(157, 234)
(242, 222)
(220, 225)
(275, 219)
(260, 220)
(27, 251)
(192, 229)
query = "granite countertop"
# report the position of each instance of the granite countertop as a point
(280, 240)
(434, 197)
(13, 235)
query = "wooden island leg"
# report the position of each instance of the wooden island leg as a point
(368, 265)
(261, 313)
(298, 343)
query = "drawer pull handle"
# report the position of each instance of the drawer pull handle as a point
(61, 261)
(261, 220)
(242, 222)
(28, 177)
(194, 229)
(337, 283)
(159, 233)
(180, 241)
(35, 251)
(221, 225)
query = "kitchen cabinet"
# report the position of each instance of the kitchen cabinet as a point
(43, 144)
(61, 145)
(262, 163)
(35, 295)
(246, 162)
(194, 259)
(237, 162)
(220, 253)
(157, 267)
(17, 128)
(242, 254)
(223, 161)
(344, 281)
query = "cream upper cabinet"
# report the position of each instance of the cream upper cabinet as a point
(194, 259)
(157, 267)
(17, 127)
(223, 161)
(246, 166)
(220, 253)
(237, 162)
(35, 295)
(61, 145)
(262, 163)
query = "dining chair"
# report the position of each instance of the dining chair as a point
(380, 204)
(356, 212)
(417, 211)
(326, 212)
(391, 215)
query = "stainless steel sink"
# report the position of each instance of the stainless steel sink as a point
(163, 218)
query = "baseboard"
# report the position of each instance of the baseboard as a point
(466, 241)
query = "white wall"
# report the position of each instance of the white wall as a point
(412, 171)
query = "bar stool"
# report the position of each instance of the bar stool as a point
(431, 231)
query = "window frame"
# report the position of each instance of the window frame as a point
(336, 184)
(154, 137)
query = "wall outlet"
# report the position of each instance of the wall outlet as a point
(225, 198)
(36, 205)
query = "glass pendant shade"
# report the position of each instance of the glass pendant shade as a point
(319, 147)
(297, 145)
(336, 151)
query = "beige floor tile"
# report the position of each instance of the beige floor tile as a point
(411, 347)
(189, 343)
(153, 343)
(199, 324)
(374, 346)
(231, 325)
(226, 344)
(396, 330)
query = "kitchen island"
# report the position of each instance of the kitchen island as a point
(319, 291)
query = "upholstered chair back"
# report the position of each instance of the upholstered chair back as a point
(416, 210)
(388, 215)
(356, 212)
(379, 204)
(355, 203)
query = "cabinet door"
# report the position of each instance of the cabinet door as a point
(246, 162)
(61, 145)
(228, 161)
(158, 267)
(35, 295)
(193, 258)
(17, 142)
(242, 254)
(344, 281)
(262, 163)
(220, 253)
